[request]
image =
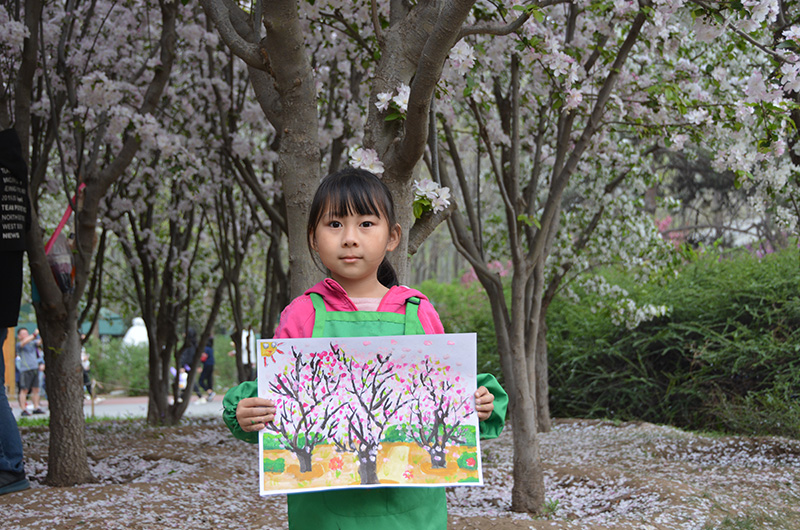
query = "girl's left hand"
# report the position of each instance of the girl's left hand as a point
(484, 403)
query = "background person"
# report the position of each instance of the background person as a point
(29, 368)
(207, 375)
(13, 226)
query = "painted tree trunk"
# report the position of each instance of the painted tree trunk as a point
(367, 468)
(438, 457)
(304, 457)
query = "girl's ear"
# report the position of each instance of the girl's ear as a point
(312, 242)
(394, 238)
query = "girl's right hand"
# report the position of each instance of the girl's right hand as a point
(254, 413)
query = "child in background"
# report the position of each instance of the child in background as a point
(351, 227)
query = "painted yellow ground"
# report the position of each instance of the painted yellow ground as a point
(397, 463)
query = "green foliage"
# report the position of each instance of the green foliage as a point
(725, 358)
(271, 441)
(396, 433)
(116, 366)
(466, 309)
(274, 466)
(467, 434)
(119, 367)
(462, 461)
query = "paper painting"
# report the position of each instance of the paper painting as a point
(369, 412)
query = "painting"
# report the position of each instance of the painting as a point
(369, 412)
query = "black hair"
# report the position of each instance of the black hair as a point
(352, 191)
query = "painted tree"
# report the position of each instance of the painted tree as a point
(438, 405)
(306, 411)
(372, 404)
(80, 101)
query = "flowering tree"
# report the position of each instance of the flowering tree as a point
(439, 406)
(80, 101)
(398, 45)
(373, 403)
(306, 413)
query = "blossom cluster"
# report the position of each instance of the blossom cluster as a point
(430, 196)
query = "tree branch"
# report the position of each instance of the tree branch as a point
(220, 13)
(506, 29)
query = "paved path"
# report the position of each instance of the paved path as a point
(130, 407)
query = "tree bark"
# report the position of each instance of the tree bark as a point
(543, 419)
(67, 462)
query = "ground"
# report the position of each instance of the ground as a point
(598, 475)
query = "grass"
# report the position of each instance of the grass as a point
(44, 421)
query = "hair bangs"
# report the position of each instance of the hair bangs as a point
(353, 200)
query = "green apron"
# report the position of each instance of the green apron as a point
(363, 508)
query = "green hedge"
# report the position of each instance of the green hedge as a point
(726, 356)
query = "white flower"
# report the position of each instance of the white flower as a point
(366, 159)
(697, 116)
(678, 141)
(442, 201)
(574, 98)
(426, 188)
(401, 99)
(384, 98)
(792, 33)
(463, 57)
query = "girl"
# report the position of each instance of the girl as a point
(351, 227)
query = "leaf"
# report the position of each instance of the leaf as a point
(529, 220)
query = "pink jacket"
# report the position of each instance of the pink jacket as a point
(297, 319)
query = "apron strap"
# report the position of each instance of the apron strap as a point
(320, 315)
(412, 320)
(412, 324)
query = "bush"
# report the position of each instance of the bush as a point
(117, 366)
(468, 461)
(728, 347)
(274, 466)
(120, 367)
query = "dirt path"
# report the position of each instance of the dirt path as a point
(598, 476)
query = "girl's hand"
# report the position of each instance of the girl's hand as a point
(254, 413)
(484, 403)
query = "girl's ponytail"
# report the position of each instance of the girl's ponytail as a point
(387, 275)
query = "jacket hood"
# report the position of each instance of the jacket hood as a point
(337, 300)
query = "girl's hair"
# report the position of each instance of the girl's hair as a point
(352, 191)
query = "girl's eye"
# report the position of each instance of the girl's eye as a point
(334, 224)
(367, 224)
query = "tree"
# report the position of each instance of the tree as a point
(79, 111)
(439, 404)
(306, 414)
(372, 405)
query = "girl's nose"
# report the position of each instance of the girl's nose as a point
(349, 237)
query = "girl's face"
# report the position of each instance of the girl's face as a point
(352, 248)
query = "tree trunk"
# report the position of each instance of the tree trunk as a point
(438, 457)
(527, 494)
(67, 460)
(367, 468)
(542, 385)
(304, 457)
